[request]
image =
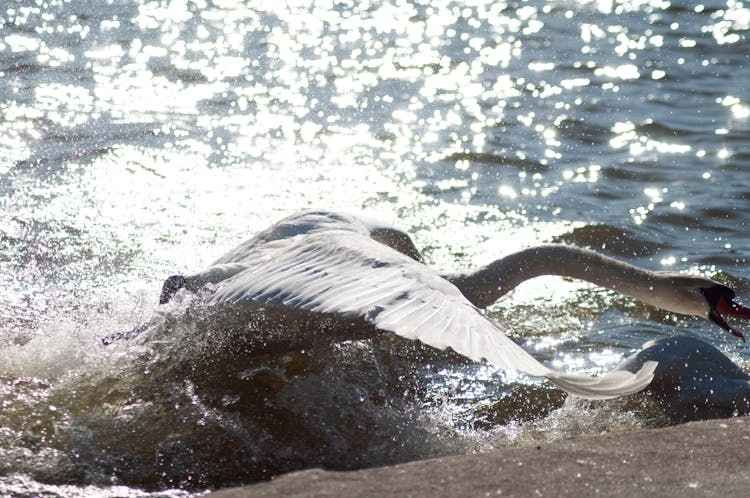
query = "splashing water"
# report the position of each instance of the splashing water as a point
(143, 138)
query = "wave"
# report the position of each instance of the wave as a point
(200, 398)
(618, 241)
(186, 402)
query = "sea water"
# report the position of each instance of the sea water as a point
(142, 138)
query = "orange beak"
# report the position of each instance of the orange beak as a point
(727, 306)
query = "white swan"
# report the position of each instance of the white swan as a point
(693, 380)
(357, 271)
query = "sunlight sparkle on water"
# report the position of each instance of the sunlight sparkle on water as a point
(739, 110)
(147, 138)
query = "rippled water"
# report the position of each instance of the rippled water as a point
(144, 138)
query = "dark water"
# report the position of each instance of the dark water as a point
(143, 138)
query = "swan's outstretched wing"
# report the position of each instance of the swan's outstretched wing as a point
(356, 277)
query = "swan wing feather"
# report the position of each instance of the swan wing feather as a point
(351, 275)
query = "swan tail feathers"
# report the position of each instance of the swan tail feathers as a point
(611, 385)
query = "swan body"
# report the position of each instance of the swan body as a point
(693, 380)
(354, 270)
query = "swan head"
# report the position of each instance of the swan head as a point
(698, 296)
(720, 299)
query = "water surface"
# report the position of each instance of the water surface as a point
(144, 138)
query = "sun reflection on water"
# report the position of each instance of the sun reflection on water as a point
(413, 99)
(145, 138)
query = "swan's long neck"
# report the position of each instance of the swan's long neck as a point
(485, 285)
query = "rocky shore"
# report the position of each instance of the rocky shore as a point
(710, 458)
